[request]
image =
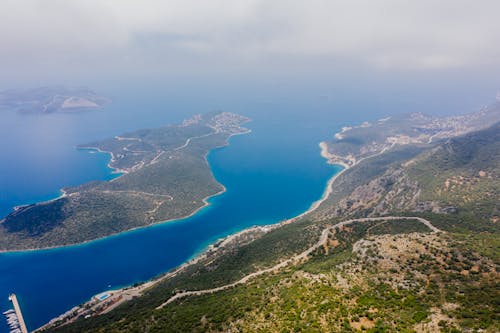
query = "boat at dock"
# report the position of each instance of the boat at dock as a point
(14, 317)
(12, 321)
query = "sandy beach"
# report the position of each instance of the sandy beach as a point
(332, 158)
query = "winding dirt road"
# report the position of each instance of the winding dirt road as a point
(301, 256)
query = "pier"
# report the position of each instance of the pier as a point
(19, 314)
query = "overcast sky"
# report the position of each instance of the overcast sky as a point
(59, 39)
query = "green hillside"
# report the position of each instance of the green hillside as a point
(380, 275)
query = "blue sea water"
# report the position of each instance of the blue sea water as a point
(271, 174)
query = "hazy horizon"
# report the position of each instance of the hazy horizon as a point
(411, 52)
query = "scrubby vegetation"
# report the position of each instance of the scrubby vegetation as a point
(386, 282)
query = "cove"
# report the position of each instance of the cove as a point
(269, 176)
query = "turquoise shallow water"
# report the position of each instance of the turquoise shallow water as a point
(270, 174)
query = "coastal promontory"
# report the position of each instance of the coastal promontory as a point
(164, 176)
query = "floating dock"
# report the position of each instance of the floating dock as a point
(15, 317)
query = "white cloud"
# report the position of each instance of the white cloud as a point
(424, 34)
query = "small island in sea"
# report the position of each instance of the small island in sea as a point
(45, 100)
(164, 176)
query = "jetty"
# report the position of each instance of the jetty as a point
(14, 317)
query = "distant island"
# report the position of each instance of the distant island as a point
(165, 176)
(45, 100)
